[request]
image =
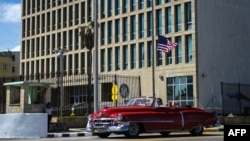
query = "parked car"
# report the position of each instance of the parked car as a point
(145, 115)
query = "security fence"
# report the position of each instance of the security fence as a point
(235, 98)
(78, 100)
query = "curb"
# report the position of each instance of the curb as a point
(53, 135)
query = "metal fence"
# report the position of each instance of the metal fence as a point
(76, 94)
(235, 98)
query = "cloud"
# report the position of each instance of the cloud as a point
(10, 12)
(17, 48)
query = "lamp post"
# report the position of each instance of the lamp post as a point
(60, 54)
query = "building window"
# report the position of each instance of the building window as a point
(76, 60)
(149, 54)
(125, 4)
(83, 63)
(133, 28)
(159, 22)
(89, 10)
(102, 8)
(110, 59)
(125, 57)
(178, 50)
(180, 90)
(103, 33)
(133, 5)
(159, 58)
(117, 7)
(125, 29)
(150, 24)
(110, 31)
(141, 55)
(189, 49)
(168, 20)
(150, 3)
(188, 16)
(103, 60)
(117, 30)
(158, 2)
(5, 67)
(141, 4)
(117, 58)
(133, 56)
(110, 8)
(178, 18)
(169, 59)
(13, 69)
(141, 25)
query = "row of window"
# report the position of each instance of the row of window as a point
(110, 8)
(46, 45)
(70, 16)
(109, 34)
(33, 6)
(134, 55)
(56, 19)
(141, 25)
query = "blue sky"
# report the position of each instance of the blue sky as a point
(10, 25)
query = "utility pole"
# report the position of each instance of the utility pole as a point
(153, 51)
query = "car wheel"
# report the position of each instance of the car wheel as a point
(133, 130)
(165, 133)
(197, 131)
(103, 135)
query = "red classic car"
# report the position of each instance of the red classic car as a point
(147, 115)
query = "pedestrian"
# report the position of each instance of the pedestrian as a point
(159, 102)
(48, 110)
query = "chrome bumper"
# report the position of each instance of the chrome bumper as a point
(121, 127)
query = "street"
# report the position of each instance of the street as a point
(207, 136)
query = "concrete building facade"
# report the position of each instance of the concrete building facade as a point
(212, 37)
(9, 61)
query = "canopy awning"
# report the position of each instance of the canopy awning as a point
(20, 83)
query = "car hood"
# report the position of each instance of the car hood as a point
(113, 111)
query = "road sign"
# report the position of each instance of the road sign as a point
(114, 92)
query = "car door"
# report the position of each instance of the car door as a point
(163, 118)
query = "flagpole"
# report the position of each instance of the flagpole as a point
(96, 106)
(153, 44)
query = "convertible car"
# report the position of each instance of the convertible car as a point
(148, 115)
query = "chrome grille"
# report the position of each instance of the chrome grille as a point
(103, 122)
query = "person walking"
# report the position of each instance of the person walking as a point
(48, 110)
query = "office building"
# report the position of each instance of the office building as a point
(212, 37)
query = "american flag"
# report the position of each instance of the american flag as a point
(164, 44)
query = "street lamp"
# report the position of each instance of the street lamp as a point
(60, 54)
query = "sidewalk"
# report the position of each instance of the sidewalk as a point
(77, 132)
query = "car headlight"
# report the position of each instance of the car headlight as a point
(119, 117)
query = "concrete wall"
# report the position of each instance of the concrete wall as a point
(23, 125)
(222, 47)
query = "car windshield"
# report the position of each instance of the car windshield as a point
(142, 101)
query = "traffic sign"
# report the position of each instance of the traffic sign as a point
(114, 92)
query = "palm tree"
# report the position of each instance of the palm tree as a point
(88, 33)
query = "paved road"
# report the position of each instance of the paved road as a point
(183, 136)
